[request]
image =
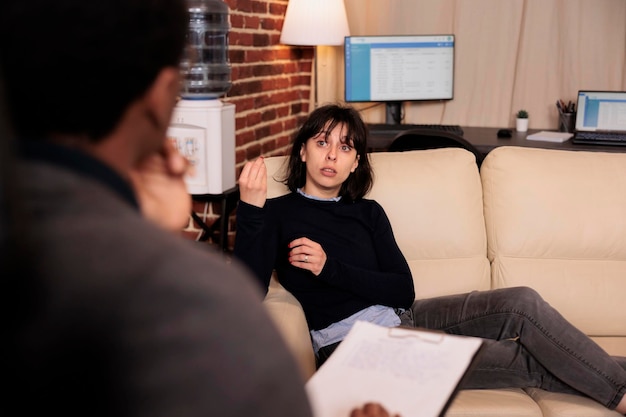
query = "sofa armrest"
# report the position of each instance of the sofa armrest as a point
(288, 316)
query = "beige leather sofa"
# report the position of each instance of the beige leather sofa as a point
(551, 220)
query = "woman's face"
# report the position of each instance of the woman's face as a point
(329, 159)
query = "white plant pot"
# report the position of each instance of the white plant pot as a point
(521, 125)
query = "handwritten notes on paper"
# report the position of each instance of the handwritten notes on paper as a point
(408, 371)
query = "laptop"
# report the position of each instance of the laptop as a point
(601, 118)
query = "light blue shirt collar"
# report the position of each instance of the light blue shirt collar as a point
(302, 193)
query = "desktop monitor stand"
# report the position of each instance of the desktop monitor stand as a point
(393, 112)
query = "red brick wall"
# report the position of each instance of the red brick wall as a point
(271, 89)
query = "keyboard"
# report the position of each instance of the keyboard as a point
(600, 138)
(389, 129)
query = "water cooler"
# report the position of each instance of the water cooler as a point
(203, 127)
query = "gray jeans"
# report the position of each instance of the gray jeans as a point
(527, 344)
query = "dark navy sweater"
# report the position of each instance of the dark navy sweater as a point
(364, 267)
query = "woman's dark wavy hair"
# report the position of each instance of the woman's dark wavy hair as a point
(326, 118)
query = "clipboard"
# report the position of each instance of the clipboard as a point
(412, 372)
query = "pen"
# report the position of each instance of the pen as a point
(569, 108)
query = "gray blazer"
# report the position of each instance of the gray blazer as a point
(133, 321)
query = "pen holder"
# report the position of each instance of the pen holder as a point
(567, 122)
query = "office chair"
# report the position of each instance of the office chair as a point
(416, 139)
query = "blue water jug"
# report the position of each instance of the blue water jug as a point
(205, 67)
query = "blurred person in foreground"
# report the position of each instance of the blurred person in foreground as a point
(117, 315)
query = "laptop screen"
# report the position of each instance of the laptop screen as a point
(601, 111)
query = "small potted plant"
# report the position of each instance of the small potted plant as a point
(521, 121)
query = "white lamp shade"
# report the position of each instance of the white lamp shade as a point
(315, 22)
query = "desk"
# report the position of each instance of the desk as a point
(229, 199)
(485, 139)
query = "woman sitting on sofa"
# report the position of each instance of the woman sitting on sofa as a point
(335, 252)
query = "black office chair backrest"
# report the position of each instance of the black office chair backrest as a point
(416, 139)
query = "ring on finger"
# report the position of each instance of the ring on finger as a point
(306, 259)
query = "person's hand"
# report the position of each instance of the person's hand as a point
(160, 187)
(253, 183)
(307, 254)
(371, 410)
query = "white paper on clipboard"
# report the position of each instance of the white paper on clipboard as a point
(410, 372)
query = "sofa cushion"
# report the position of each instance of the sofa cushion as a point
(509, 402)
(276, 168)
(556, 221)
(434, 201)
(553, 404)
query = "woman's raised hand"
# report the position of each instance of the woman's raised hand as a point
(253, 183)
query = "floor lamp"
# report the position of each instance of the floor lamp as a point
(313, 23)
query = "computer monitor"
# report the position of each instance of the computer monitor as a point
(393, 69)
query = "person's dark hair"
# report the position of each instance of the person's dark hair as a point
(326, 118)
(73, 66)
